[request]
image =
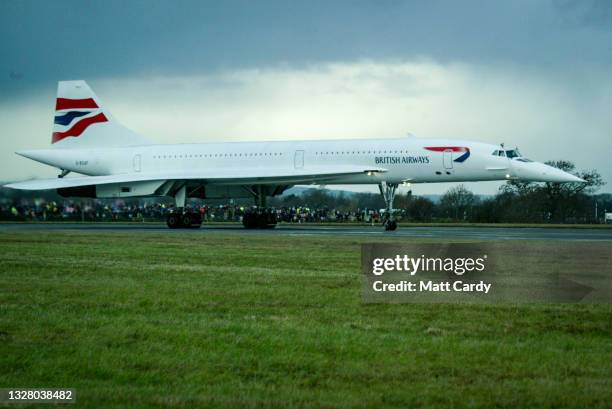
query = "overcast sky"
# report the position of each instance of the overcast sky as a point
(530, 73)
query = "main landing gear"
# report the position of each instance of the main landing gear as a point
(259, 217)
(181, 218)
(387, 190)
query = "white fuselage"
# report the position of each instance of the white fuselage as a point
(404, 159)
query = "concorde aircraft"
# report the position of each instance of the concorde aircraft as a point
(115, 162)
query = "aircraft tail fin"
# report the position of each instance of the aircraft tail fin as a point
(81, 121)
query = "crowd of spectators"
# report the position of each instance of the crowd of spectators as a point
(312, 215)
(91, 210)
(38, 209)
(539, 203)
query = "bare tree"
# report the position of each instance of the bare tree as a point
(556, 202)
(457, 202)
(561, 199)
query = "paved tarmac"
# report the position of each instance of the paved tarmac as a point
(476, 233)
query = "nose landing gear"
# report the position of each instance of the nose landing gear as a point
(390, 225)
(387, 190)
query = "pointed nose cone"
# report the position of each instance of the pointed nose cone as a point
(539, 172)
(574, 178)
(552, 174)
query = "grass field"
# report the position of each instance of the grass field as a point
(157, 320)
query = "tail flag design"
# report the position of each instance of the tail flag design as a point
(66, 118)
(76, 110)
(82, 121)
(79, 127)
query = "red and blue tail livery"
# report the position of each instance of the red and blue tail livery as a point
(82, 121)
(460, 159)
(76, 109)
(74, 116)
(79, 127)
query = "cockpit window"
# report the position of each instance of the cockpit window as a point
(513, 153)
(510, 153)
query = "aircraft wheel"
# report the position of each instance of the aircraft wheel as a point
(173, 221)
(258, 220)
(196, 220)
(186, 220)
(249, 220)
(191, 220)
(390, 225)
(266, 220)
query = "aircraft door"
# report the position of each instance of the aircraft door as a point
(448, 159)
(298, 159)
(136, 163)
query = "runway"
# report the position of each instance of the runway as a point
(407, 231)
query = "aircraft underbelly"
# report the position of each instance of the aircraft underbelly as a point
(128, 189)
(225, 192)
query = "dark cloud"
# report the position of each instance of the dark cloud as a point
(44, 41)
